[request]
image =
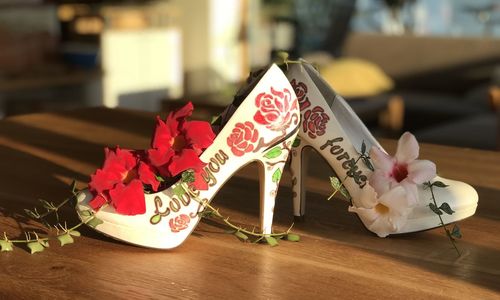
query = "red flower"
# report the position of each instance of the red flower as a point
(120, 182)
(314, 122)
(274, 109)
(300, 90)
(242, 138)
(177, 143)
(179, 223)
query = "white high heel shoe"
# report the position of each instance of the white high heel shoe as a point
(262, 129)
(330, 126)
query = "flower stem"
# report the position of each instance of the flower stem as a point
(442, 222)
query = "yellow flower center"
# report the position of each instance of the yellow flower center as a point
(381, 209)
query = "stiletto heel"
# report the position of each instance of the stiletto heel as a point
(259, 125)
(390, 199)
(299, 168)
(270, 171)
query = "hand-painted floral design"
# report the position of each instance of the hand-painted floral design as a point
(384, 214)
(275, 109)
(300, 90)
(177, 144)
(120, 182)
(242, 138)
(314, 122)
(403, 169)
(179, 223)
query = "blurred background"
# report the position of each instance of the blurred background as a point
(428, 66)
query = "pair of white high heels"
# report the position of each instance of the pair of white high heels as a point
(272, 111)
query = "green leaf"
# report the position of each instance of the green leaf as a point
(35, 247)
(188, 176)
(296, 142)
(283, 55)
(65, 239)
(435, 209)
(241, 235)
(456, 232)
(44, 243)
(439, 184)
(86, 213)
(5, 245)
(75, 233)
(94, 222)
(338, 186)
(160, 178)
(363, 147)
(292, 237)
(271, 241)
(179, 190)
(155, 219)
(446, 208)
(276, 175)
(368, 163)
(273, 153)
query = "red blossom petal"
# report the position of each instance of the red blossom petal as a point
(98, 202)
(102, 181)
(199, 183)
(147, 176)
(128, 199)
(199, 134)
(161, 156)
(188, 159)
(163, 136)
(175, 120)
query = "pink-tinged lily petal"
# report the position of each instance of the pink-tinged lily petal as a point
(128, 199)
(420, 171)
(367, 198)
(395, 199)
(188, 159)
(199, 134)
(380, 181)
(411, 192)
(408, 148)
(147, 176)
(98, 201)
(381, 160)
(163, 136)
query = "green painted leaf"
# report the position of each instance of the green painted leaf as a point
(155, 219)
(75, 233)
(292, 237)
(86, 213)
(94, 222)
(446, 208)
(188, 176)
(273, 153)
(35, 247)
(363, 147)
(241, 235)
(5, 245)
(271, 241)
(65, 239)
(368, 163)
(179, 190)
(276, 175)
(456, 232)
(435, 209)
(338, 186)
(296, 142)
(439, 184)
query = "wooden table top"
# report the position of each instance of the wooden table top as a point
(336, 257)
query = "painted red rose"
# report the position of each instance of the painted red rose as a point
(314, 122)
(275, 109)
(179, 223)
(300, 90)
(242, 138)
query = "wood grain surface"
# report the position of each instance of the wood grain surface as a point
(336, 257)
